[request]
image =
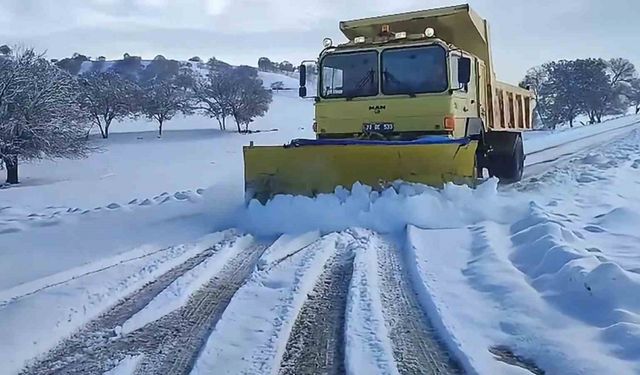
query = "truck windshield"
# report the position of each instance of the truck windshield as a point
(350, 75)
(414, 70)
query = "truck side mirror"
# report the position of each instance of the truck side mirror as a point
(303, 75)
(302, 91)
(464, 70)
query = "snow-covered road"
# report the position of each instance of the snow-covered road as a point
(545, 150)
(539, 277)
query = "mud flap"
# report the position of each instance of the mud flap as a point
(272, 170)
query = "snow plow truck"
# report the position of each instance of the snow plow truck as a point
(410, 97)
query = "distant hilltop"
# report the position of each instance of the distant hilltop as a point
(134, 66)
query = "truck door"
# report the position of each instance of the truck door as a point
(482, 92)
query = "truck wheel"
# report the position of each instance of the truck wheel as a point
(513, 165)
(508, 165)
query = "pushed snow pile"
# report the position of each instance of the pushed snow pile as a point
(542, 243)
(387, 211)
(622, 220)
(577, 282)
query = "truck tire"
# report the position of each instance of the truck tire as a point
(513, 165)
(507, 163)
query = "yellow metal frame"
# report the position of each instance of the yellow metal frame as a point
(311, 170)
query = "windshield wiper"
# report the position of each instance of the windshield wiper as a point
(406, 86)
(362, 83)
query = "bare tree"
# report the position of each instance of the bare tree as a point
(39, 113)
(210, 96)
(634, 94)
(247, 98)
(106, 96)
(162, 99)
(620, 70)
(535, 80)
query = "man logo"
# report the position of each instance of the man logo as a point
(377, 108)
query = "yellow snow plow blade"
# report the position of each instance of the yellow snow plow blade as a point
(272, 170)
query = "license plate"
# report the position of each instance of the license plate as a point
(378, 127)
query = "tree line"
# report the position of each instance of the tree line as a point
(595, 88)
(166, 88)
(48, 108)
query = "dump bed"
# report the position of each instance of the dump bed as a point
(510, 108)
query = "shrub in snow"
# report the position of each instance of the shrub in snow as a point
(5, 50)
(40, 116)
(277, 86)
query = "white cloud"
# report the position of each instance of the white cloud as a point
(150, 3)
(215, 7)
(524, 32)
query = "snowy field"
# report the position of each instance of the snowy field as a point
(121, 255)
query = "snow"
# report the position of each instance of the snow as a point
(191, 154)
(42, 247)
(368, 347)
(76, 296)
(178, 292)
(557, 284)
(251, 336)
(126, 367)
(389, 211)
(536, 141)
(549, 268)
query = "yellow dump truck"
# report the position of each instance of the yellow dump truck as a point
(410, 97)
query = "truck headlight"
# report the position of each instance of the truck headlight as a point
(327, 42)
(429, 32)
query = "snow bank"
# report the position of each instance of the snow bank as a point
(478, 300)
(578, 282)
(387, 211)
(539, 140)
(551, 256)
(620, 220)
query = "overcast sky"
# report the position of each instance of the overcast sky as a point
(524, 32)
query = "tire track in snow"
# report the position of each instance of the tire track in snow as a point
(415, 342)
(368, 346)
(98, 347)
(17, 297)
(316, 342)
(190, 326)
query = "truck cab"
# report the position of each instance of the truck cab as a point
(400, 87)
